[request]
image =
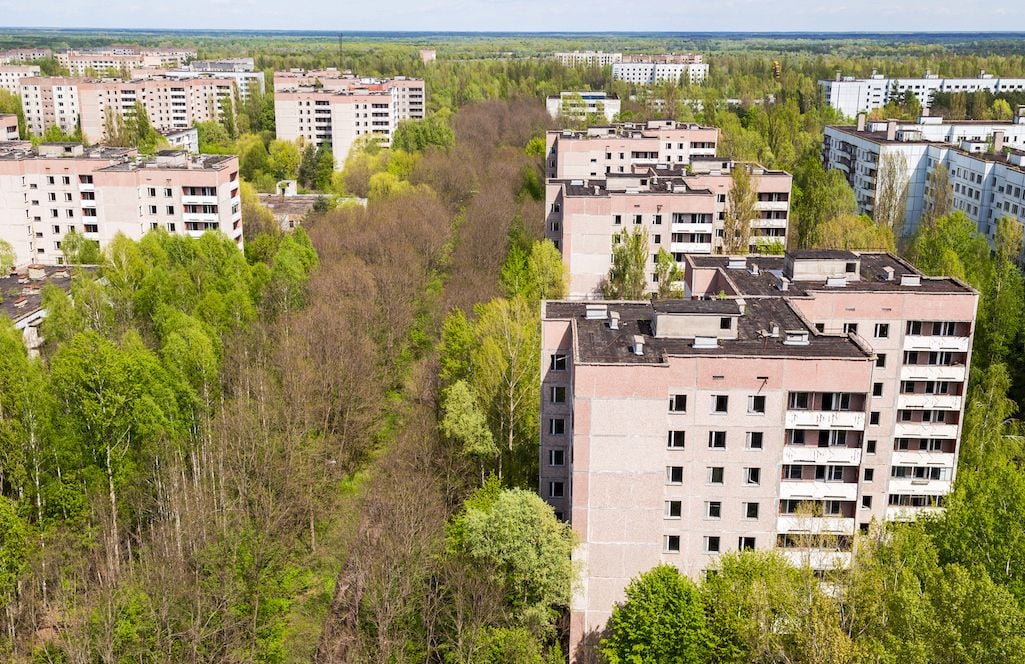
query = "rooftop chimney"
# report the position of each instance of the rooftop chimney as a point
(998, 141)
(774, 331)
(861, 122)
(638, 345)
(838, 75)
(888, 271)
(784, 284)
(613, 320)
(891, 130)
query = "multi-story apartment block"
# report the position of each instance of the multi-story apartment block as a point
(649, 70)
(170, 103)
(851, 95)
(224, 64)
(21, 55)
(579, 105)
(246, 82)
(91, 62)
(798, 399)
(983, 159)
(339, 109)
(588, 58)
(101, 192)
(11, 76)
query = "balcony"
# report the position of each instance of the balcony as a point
(817, 490)
(937, 343)
(789, 523)
(955, 372)
(929, 401)
(907, 513)
(692, 228)
(199, 200)
(823, 419)
(924, 430)
(691, 247)
(200, 217)
(817, 559)
(922, 458)
(922, 487)
(773, 205)
(808, 454)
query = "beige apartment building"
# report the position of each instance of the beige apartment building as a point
(101, 192)
(21, 55)
(792, 402)
(170, 103)
(11, 75)
(86, 62)
(338, 108)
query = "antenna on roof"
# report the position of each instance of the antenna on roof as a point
(340, 67)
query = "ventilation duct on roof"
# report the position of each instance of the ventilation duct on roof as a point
(706, 342)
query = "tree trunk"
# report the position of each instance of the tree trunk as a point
(116, 540)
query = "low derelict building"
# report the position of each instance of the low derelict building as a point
(796, 400)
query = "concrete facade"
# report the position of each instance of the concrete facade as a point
(22, 55)
(851, 95)
(651, 73)
(808, 396)
(9, 127)
(92, 62)
(101, 192)
(588, 58)
(580, 105)
(11, 75)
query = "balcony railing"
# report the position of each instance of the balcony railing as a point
(817, 490)
(807, 454)
(937, 343)
(823, 419)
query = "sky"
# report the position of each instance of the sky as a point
(524, 15)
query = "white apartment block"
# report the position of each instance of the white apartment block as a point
(50, 100)
(246, 82)
(101, 192)
(339, 109)
(580, 105)
(224, 64)
(588, 58)
(22, 55)
(11, 75)
(983, 159)
(795, 400)
(851, 95)
(651, 73)
(86, 62)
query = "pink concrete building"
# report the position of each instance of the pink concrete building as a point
(21, 55)
(789, 405)
(101, 192)
(682, 213)
(11, 75)
(9, 127)
(338, 108)
(93, 62)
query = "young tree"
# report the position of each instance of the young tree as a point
(662, 620)
(6, 257)
(464, 423)
(854, 233)
(892, 193)
(669, 274)
(940, 195)
(740, 209)
(627, 279)
(284, 159)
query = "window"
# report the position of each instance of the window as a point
(674, 474)
(67, 197)
(866, 502)
(638, 219)
(715, 475)
(851, 267)
(943, 329)
(671, 543)
(678, 403)
(877, 389)
(882, 330)
(52, 196)
(556, 457)
(676, 440)
(753, 476)
(799, 401)
(712, 544)
(717, 440)
(558, 362)
(750, 510)
(914, 327)
(617, 219)
(850, 327)
(836, 401)
(832, 508)
(881, 360)
(56, 230)
(49, 179)
(151, 192)
(745, 543)
(674, 509)
(870, 474)
(756, 404)
(555, 489)
(725, 323)
(556, 426)
(754, 440)
(720, 403)
(829, 473)
(65, 179)
(557, 394)
(713, 509)
(658, 220)
(873, 417)
(870, 447)
(170, 209)
(167, 192)
(153, 209)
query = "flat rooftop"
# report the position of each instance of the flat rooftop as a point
(598, 343)
(22, 296)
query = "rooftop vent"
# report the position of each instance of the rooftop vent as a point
(576, 183)
(754, 269)
(910, 280)
(706, 342)
(613, 320)
(736, 263)
(836, 282)
(774, 331)
(888, 273)
(784, 284)
(796, 338)
(596, 312)
(638, 345)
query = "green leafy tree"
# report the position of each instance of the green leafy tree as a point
(939, 196)
(7, 257)
(662, 620)
(669, 274)
(892, 192)
(464, 423)
(740, 210)
(854, 233)
(79, 250)
(284, 159)
(627, 279)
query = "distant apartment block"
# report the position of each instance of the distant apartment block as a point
(851, 95)
(984, 159)
(21, 55)
(588, 58)
(224, 64)
(339, 108)
(580, 105)
(171, 104)
(246, 82)
(100, 192)
(183, 139)
(91, 62)
(11, 76)
(794, 401)
(662, 177)
(652, 69)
